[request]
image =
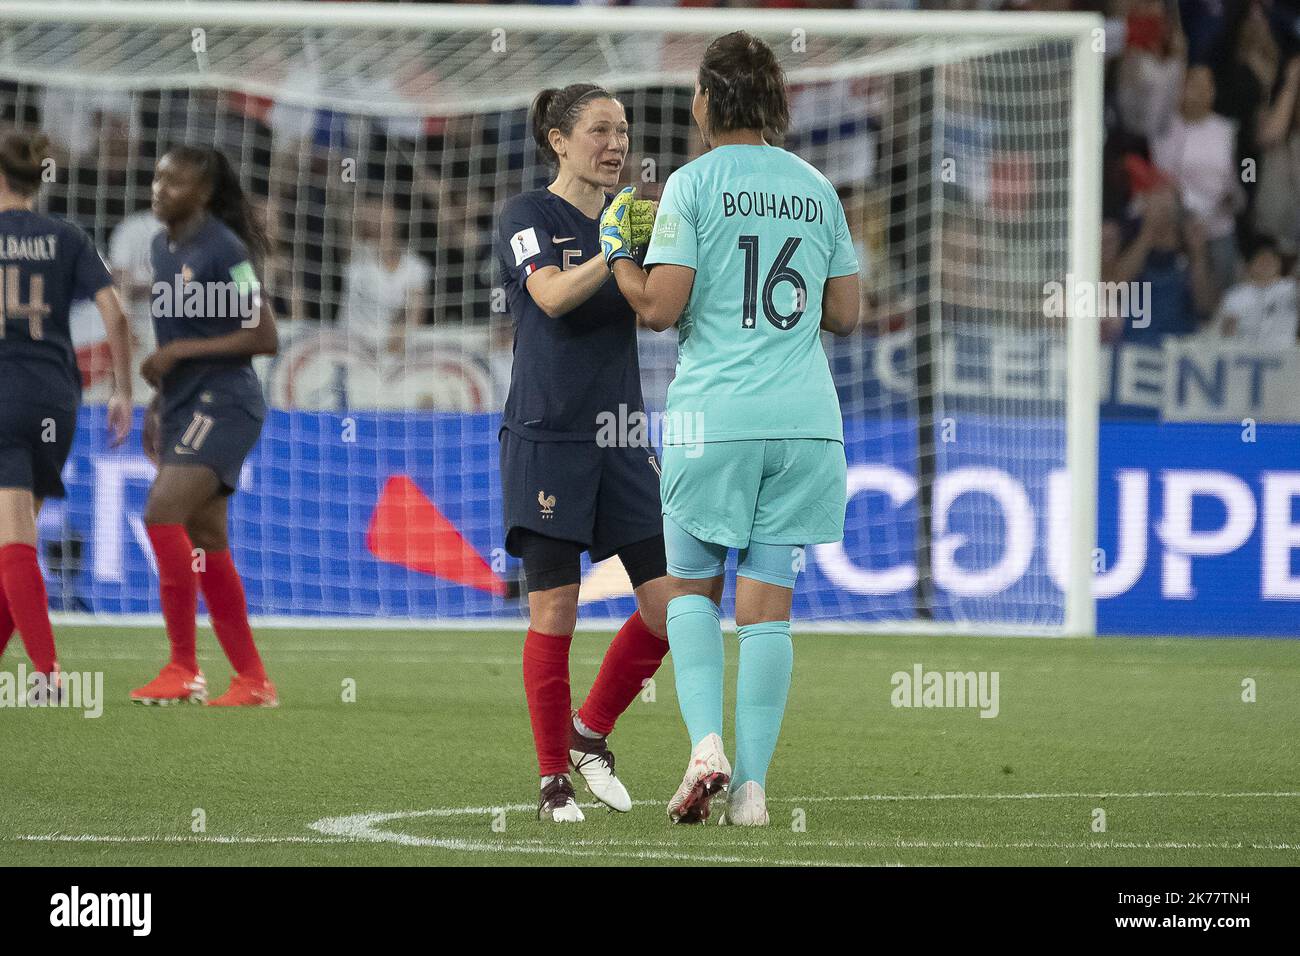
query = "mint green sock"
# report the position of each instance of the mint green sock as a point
(695, 638)
(766, 660)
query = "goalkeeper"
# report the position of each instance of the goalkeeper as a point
(751, 242)
(568, 486)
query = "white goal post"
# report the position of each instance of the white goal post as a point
(968, 146)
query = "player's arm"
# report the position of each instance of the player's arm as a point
(91, 280)
(559, 291)
(842, 293)
(659, 296)
(841, 304)
(526, 246)
(119, 346)
(260, 338)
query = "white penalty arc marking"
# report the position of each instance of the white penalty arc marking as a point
(366, 826)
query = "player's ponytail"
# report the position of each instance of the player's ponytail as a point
(555, 108)
(227, 201)
(22, 160)
(746, 86)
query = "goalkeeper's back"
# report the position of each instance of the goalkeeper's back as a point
(763, 231)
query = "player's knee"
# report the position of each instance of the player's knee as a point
(160, 510)
(203, 534)
(553, 612)
(760, 616)
(654, 615)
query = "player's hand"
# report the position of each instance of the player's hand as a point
(152, 429)
(615, 228)
(641, 225)
(156, 366)
(119, 417)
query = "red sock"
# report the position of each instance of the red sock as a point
(6, 620)
(546, 685)
(224, 593)
(178, 589)
(28, 605)
(632, 658)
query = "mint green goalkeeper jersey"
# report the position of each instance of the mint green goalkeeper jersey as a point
(763, 231)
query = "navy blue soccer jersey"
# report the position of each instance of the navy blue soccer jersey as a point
(570, 369)
(45, 265)
(205, 287)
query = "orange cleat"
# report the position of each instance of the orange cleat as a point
(247, 692)
(173, 685)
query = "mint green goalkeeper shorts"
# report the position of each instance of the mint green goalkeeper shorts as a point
(768, 491)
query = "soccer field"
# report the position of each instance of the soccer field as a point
(433, 765)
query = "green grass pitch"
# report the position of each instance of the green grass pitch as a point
(433, 765)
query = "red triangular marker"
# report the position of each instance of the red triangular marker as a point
(408, 529)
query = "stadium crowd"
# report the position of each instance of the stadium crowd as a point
(1202, 159)
(1202, 155)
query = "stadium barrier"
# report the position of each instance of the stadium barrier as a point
(396, 518)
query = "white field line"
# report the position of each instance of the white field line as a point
(573, 847)
(366, 828)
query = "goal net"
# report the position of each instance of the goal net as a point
(379, 142)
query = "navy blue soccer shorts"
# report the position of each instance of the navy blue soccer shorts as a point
(603, 498)
(35, 440)
(217, 435)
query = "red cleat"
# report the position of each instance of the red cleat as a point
(247, 692)
(173, 685)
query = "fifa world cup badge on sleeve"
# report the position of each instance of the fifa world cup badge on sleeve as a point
(524, 244)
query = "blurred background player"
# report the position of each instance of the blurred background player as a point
(45, 265)
(206, 416)
(575, 360)
(752, 242)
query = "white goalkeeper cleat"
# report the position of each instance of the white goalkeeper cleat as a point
(746, 807)
(558, 804)
(592, 758)
(707, 774)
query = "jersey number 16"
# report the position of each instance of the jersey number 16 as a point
(781, 271)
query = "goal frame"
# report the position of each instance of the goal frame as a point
(1083, 31)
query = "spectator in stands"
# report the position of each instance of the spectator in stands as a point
(1150, 73)
(384, 284)
(1277, 199)
(1261, 311)
(1169, 256)
(1198, 152)
(1245, 74)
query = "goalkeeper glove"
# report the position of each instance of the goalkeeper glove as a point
(615, 231)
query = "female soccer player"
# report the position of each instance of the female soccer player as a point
(567, 489)
(45, 264)
(206, 416)
(753, 242)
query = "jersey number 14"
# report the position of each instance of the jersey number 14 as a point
(12, 307)
(781, 271)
